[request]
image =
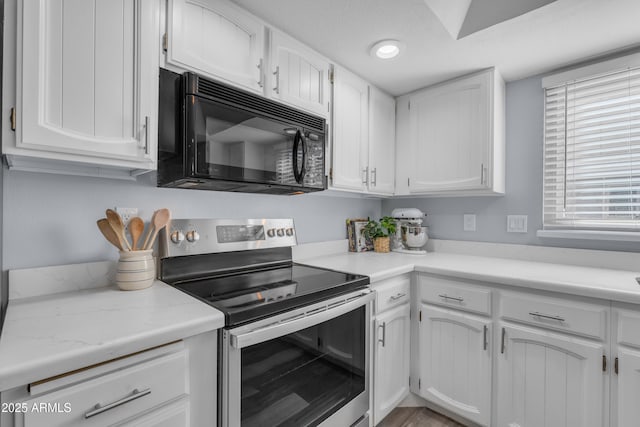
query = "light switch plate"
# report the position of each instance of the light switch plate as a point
(469, 223)
(516, 223)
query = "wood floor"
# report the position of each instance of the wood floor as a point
(416, 417)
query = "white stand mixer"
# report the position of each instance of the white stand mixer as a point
(410, 235)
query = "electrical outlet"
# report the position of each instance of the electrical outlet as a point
(516, 223)
(126, 214)
(469, 223)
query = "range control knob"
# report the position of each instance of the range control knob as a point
(193, 236)
(280, 232)
(177, 236)
(271, 232)
(289, 231)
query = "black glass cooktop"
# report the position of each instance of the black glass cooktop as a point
(249, 296)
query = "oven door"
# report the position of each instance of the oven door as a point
(307, 367)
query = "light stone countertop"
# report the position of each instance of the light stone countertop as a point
(52, 334)
(609, 284)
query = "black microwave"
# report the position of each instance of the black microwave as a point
(212, 136)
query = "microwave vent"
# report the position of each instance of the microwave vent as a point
(251, 102)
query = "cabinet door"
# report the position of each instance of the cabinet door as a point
(628, 387)
(382, 138)
(217, 39)
(449, 133)
(392, 353)
(549, 380)
(298, 75)
(350, 127)
(455, 362)
(87, 78)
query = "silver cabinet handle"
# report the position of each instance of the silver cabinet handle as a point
(447, 297)
(397, 296)
(484, 338)
(384, 333)
(147, 120)
(374, 176)
(365, 173)
(135, 394)
(481, 173)
(260, 82)
(546, 316)
(502, 341)
(277, 74)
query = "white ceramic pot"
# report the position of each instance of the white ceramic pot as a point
(135, 270)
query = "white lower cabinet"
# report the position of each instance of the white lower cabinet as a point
(391, 345)
(547, 379)
(625, 384)
(455, 362)
(173, 385)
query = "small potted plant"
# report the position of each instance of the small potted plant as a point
(379, 232)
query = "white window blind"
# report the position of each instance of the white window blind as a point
(592, 152)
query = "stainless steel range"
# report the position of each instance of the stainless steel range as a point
(295, 347)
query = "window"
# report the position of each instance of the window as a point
(592, 147)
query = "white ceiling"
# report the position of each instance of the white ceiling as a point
(550, 37)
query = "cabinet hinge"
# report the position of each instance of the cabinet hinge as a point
(604, 363)
(615, 365)
(165, 42)
(13, 118)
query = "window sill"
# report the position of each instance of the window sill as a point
(612, 236)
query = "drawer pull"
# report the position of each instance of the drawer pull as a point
(546, 316)
(502, 341)
(135, 394)
(384, 332)
(397, 296)
(447, 297)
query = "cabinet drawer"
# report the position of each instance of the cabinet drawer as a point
(392, 292)
(454, 294)
(580, 318)
(114, 397)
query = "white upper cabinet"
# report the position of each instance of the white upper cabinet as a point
(453, 137)
(363, 136)
(215, 38)
(297, 75)
(87, 84)
(382, 142)
(350, 131)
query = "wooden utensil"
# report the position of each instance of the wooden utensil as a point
(118, 226)
(136, 229)
(108, 233)
(159, 220)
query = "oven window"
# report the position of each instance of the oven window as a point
(303, 378)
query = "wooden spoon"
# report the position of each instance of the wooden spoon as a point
(160, 219)
(118, 226)
(136, 228)
(108, 233)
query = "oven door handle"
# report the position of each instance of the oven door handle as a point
(313, 315)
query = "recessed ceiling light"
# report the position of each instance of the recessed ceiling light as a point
(386, 49)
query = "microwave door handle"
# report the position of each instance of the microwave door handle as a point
(298, 174)
(303, 169)
(298, 322)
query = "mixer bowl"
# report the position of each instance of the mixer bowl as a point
(414, 237)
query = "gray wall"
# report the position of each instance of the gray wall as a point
(51, 219)
(523, 196)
